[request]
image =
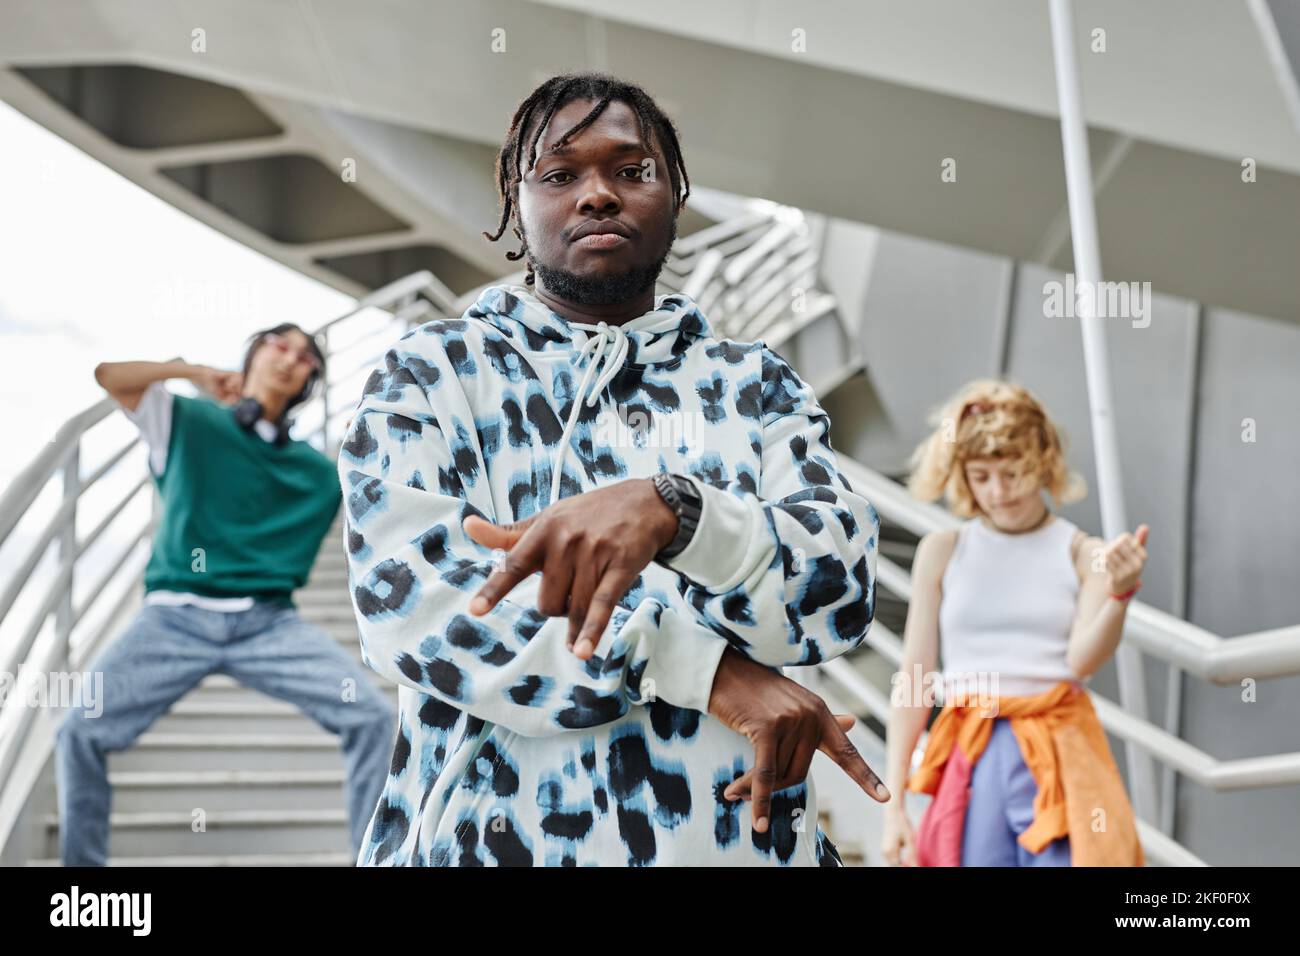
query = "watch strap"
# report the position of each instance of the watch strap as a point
(680, 494)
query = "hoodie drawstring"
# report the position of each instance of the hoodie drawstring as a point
(606, 348)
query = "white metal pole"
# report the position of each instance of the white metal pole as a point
(1087, 268)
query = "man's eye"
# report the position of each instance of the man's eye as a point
(550, 178)
(634, 170)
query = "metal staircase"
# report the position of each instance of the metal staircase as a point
(269, 779)
(755, 274)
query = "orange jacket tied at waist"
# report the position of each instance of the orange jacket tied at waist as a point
(1080, 793)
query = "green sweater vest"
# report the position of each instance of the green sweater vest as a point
(241, 517)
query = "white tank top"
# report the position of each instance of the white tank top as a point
(1008, 602)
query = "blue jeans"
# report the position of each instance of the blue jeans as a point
(164, 653)
(1001, 808)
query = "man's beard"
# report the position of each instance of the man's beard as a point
(603, 289)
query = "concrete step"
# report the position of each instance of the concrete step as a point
(269, 780)
(318, 750)
(182, 790)
(223, 833)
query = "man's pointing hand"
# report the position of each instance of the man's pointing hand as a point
(589, 548)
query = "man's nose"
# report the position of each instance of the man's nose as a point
(599, 196)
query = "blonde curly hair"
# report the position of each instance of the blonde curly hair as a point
(988, 418)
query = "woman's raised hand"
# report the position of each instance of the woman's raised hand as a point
(1125, 558)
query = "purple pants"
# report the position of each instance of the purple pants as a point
(1001, 808)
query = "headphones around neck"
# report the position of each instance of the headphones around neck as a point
(248, 411)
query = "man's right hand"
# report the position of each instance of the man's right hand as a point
(787, 724)
(222, 385)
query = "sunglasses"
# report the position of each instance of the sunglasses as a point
(281, 344)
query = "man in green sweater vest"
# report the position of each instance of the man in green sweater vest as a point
(244, 510)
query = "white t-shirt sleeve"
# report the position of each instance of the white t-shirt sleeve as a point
(153, 417)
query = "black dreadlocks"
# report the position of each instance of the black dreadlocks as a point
(556, 93)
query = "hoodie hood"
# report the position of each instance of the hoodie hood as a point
(659, 338)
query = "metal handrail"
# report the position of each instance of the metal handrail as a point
(407, 315)
(711, 235)
(417, 283)
(31, 480)
(1278, 770)
(61, 586)
(1272, 653)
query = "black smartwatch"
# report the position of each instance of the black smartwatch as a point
(680, 494)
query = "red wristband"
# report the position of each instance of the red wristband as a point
(1125, 597)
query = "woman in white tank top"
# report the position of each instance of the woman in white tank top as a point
(1017, 602)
